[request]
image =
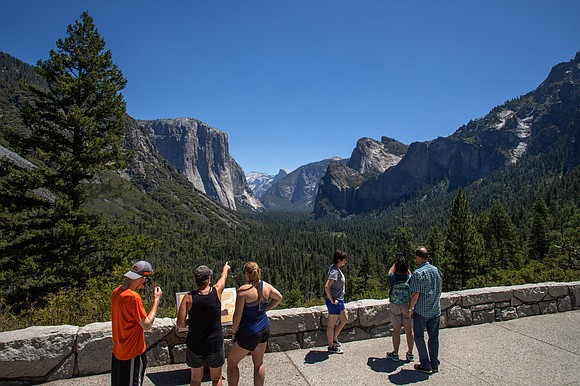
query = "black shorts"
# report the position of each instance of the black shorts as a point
(213, 360)
(250, 342)
(130, 372)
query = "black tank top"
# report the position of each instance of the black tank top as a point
(205, 336)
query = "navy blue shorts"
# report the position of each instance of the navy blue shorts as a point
(335, 309)
(250, 342)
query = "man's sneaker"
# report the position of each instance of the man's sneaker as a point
(335, 350)
(393, 356)
(410, 357)
(336, 343)
(434, 369)
(422, 369)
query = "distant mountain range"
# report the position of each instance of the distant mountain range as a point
(296, 191)
(377, 174)
(546, 119)
(260, 182)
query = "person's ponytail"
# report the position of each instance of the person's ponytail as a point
(253, 271)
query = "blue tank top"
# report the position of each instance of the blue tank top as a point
(254, 318)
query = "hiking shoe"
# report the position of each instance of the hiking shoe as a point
(335, 350)
(336, 343)
(422, 369)
(393, 356)
(410, 357)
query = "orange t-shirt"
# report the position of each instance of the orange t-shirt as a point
(126, 312)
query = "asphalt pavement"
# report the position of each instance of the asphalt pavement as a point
(536, 350)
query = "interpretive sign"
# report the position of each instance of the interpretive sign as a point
(228, 304)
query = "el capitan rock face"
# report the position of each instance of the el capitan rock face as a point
(201, 153)
(529, 125)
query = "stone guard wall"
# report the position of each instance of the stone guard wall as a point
(45, 353)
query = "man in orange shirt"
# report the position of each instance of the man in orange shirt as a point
(129, 321)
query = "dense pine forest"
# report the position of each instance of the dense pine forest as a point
(62, 254)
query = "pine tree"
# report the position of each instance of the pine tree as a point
(462, 259)
(403, 242)
(499, 235)
(75, 131)
(538, 242)
(435, 245)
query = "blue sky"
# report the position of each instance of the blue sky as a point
(293, 82)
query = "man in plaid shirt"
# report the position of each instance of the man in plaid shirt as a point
(425, 310)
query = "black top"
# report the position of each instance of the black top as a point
(205, 336)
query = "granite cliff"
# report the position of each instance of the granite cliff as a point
(368, 159)
(201, 153)
(528, 125)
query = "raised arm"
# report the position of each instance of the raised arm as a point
(221, 283)
(147, 321)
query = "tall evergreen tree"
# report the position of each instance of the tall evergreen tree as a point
(435, 245)
(539, 242)
(500, 238)
(75, 131)
(463, 243)
(403, 241)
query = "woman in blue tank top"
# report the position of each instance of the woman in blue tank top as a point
(251, 327)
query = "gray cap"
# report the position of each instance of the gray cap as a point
(139, 269)
(202, 273)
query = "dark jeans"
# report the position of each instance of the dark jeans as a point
(420, 323)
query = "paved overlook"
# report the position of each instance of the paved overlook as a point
(537, 350)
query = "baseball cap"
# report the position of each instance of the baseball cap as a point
(203, 272)
(139, 269)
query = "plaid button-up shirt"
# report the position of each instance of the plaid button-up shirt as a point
(426, 280)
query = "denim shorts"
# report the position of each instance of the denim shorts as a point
(335, 309)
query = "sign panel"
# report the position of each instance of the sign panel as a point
(228, 305)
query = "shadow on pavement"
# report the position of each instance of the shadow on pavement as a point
(316, 356)
(173, 377)
(383, 365)
(405, 376)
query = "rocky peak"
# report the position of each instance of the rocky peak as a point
(201, 153)
(297, 190)
(371, 157)
(261, 182)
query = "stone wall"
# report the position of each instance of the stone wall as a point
(45, 353)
